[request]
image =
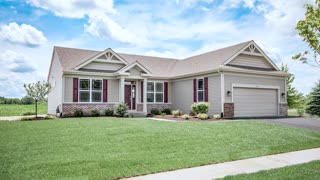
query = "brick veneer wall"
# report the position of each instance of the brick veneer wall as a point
(228, 110)
(283, 109)
(150, 106)
(68, 109)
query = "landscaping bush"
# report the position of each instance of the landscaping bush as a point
(95, 113)
(185, 116)
(216, 116)
(163, 114)
(78, 113)
(176, 113)
(191, 113)
(122, 109)
(28, 113)
(108, 112)
(201, 107)
(155, 111)
(167, 111)
(202, 116)
(26, 118)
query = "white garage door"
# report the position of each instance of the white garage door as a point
(252, 102)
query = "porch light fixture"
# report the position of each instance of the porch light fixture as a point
(282, 94)
(228, 93)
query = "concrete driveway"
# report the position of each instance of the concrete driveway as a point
(301, 122)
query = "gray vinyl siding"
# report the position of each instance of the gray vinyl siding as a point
(134, 72)
(103, 66)
(113, 89)
(214, 89)
(182, 95)
(55, 79)
(253, 80)
(251, 61)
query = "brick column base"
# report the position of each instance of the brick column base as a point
(283, 109)
(228, 110)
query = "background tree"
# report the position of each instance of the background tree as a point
(38, 91)
(313, 103)
(309, 30)
(294, 98)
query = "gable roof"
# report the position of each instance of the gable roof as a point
(70, 58)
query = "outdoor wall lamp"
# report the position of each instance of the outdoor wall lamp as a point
(282, 94)
(228, 92)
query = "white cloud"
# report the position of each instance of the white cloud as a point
(102, 26)
(238, 3)
(24, 34)
(74, 8)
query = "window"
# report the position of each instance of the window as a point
(200, 90)
(90, 90)
(155, 92)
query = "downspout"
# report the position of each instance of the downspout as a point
(222, 90)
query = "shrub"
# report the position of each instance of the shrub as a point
(26, 118)
(122, 109)
(191, 113)
(95, 113)
(28, 113)
(108, 112)
(27, 100)
(49, 117)
(155, 111)
(313, 102)
(78, 112)
(216, 116)
(202, 116)
(201, 107)
(167, 111)
(185, 116)
(163, 114)
(175, 113)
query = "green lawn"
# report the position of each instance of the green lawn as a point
(309, 170)
(18, 110)
(106, 148)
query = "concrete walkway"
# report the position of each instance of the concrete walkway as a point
(17, 118)
(237, 167)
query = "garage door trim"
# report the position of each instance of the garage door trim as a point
(257, 86)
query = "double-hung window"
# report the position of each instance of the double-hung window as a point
(200, 90)
(155, 92)
(90, 90)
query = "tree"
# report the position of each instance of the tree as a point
(294, 98)
(309, 30)
(38, 91)
(313, 103)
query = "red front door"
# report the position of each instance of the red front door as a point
(127, 95)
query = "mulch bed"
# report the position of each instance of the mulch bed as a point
(179, 118)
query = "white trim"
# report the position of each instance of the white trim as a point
(258, 48)
(128, 67)
(155, 91)
(98, 55)
(285, 90)
(108, 61)
(257, 86)
(197, 89)
(252, 75)
(90, 89)
(251, 53)
(222, 91)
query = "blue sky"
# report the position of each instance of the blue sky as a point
(168, 28)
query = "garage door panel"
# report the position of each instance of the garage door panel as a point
(255, 102)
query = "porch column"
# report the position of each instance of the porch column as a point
(121, 90)
(145, 95)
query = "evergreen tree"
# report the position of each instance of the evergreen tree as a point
(313, 103)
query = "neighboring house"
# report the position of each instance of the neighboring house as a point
(238, 81)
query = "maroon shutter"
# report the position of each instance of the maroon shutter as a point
(75, 89)
(194, 90)
(141, 91)
(166, 92)
(206, 98)
(105, 90)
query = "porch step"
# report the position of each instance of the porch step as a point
(137, 114)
